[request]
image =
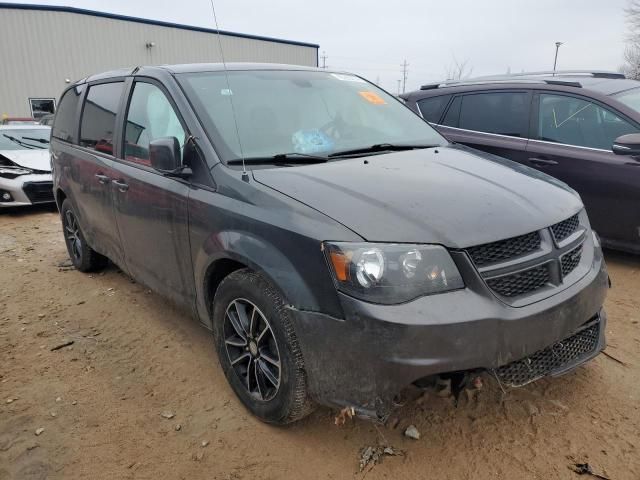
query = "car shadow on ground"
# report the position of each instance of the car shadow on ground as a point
(29, 210)
(623, 258)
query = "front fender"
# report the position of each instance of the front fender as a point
(258, 255)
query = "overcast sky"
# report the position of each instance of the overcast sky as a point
(373, 38)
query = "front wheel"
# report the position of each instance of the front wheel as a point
(258, 349)
(83, 257)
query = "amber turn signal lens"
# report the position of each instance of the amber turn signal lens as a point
(340, 265)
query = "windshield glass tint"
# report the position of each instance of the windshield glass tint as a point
(631, 98)
(304, 112)
(24, 138)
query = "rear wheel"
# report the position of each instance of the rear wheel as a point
(258, 349)
(83, 257)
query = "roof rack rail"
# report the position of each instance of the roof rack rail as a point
(488, 81)
(528, 77)
(560, 73)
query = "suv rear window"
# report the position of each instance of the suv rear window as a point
(66, 120)
(431, 108)
(99, 116)
(504, 113)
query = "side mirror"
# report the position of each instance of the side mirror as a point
(164, 153)
(627, 145)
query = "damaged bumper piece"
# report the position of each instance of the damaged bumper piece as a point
(367, 358)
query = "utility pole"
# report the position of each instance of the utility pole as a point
(324, 59)
(405, 73)
(555, 60)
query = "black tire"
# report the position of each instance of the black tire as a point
(83, 257)
(272, 336)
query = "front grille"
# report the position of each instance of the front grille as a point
(571, 260)
(565, 228)
(521, 282)
(39, 192)
(504, 249)
(554, 358)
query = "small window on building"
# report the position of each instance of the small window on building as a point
(66, 120)
(505, 113)
(432, 108)
(41, 107)
(99, 116)
(150, 117)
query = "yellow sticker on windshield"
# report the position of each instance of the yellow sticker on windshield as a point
(372, 97)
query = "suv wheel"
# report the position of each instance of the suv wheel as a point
(258, 349)
(83, 257)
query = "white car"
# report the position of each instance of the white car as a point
(25, 167)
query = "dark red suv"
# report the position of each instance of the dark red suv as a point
(580, 127)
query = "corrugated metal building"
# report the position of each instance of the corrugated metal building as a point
(42, 48)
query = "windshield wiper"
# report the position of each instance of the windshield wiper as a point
(379, 148)
(22, 144)
(39, 140)
(281, 159)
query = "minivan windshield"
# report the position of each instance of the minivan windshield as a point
(285, 112)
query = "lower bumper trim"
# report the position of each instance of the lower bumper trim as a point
(555, 359)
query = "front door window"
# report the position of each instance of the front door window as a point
(150, 117)
(575, 121)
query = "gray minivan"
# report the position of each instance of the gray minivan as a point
(337, 246)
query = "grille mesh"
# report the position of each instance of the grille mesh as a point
(39, 192)
(521, 282)
(504, 249)
(571, 260)
(565, 228)
(551, 359)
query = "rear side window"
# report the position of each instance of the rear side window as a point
(431, 108)
(576, 121)
(99, 116)
(504, 113)
(453, 113)
(66, 121)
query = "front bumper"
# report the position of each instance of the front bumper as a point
(368, 357)
(27, 190)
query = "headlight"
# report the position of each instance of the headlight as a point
(13, 172)
(391, 273)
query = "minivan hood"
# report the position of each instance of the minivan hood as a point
(453, 195)
(37, 159)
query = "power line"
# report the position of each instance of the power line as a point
(405, 74)
(324, 59)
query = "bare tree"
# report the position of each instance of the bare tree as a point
(631, 67)
(461, 70)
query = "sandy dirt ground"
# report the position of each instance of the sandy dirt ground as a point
(93, 410)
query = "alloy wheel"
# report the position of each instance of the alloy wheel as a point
(252, 349)
(72, 232)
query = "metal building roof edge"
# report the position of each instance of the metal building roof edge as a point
(160, 23)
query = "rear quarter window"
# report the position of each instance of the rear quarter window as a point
(99, 116)
(431, 108)
(66, 120)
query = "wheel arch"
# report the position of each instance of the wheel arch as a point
(259, 256)
(60, 197)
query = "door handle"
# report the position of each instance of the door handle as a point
(542, 162)
(103, 179)
(123, 187)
